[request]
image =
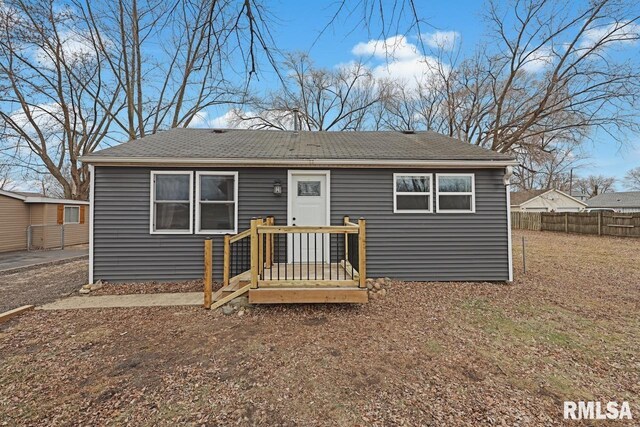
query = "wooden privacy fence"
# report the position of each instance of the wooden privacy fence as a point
(597, 223)
(526, 220)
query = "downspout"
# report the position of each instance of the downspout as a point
(508, 172)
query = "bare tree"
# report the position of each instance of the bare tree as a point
(595, 184)
(632, 179)
(7, 182)
(554, 60)
(327, 99)
(547, 163)
(76, 76)
(547, 77)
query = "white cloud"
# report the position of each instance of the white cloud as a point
(46, 116)
(396, 59)
(538, 60)
(396, 47)
(410, 71)
(624, 32)
(75, 46)
(229, 120)
(199, 119)
(441, 39)
(223, 121)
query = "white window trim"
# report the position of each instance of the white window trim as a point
(471, 193)
(64, 220)
(152, 200)
(235, 201)
(412, 193)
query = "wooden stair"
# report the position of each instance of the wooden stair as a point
(308, 295)
(235, 283)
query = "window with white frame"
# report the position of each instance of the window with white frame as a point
(72, 214)
(455, 193)
(171, 202)
(412, 192)
(217, 207)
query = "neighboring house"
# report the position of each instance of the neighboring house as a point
(626, 201)
(545, 201)
(30, 220)
(436, 208)
(578, 195)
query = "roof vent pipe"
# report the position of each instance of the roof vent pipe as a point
(296, 119)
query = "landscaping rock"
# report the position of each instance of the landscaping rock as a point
(240, 302)
(377, 286)
(381, 281)
(369, 285)
(240, 313)
(87, 286)
(95, 286)
(84, 291)
(227, 310)
(383, 293)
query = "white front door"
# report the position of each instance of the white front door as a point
(308, 205)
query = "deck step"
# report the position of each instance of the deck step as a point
(235, 283)
(308, 295)
(240, 280)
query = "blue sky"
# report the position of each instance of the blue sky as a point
(300, 22)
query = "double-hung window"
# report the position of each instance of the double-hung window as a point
(412, 192)
(455, 193)
(217, 206)
(171, 202)
(72, 215)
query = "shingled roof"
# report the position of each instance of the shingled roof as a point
(623, 199)
(519, 197)
(265, 145)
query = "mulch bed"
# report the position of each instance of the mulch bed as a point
(150, 288)
(445, 354)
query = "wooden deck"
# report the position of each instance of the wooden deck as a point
(352, 295)
(271, 282)
(333, 289)
(308, 283)
(308, 275)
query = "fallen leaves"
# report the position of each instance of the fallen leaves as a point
(427, 354)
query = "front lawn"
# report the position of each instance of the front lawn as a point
(428, 353)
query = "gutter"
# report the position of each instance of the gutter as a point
(155, 161)
(54, 201)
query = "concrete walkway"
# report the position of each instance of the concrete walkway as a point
(126, 301)
(12, 261)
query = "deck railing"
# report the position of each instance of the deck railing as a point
(270, 256)
(279, 255)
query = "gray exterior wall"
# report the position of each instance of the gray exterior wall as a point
(421, 247)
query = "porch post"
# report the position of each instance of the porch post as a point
(362, 252)
(208, 273)
(254, 252)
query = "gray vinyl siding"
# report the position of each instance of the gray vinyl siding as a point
(421, 247)
(124, 250)
(426, 246)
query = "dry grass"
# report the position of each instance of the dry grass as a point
(434, 353)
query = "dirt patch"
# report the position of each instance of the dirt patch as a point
(428, 354)
(42, 284)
